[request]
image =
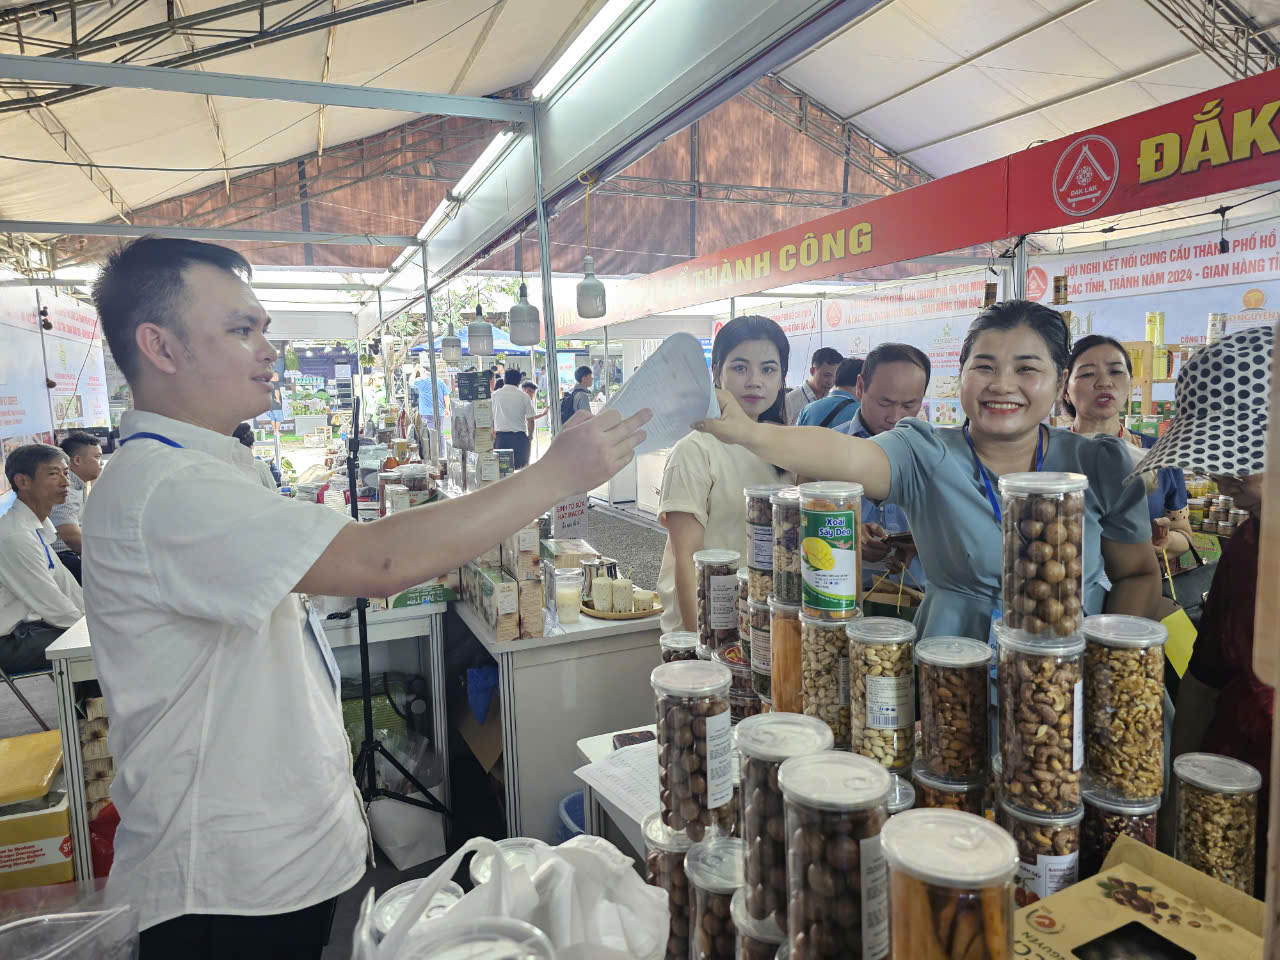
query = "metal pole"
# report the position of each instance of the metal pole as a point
(386, 354)
(548, 304)
(1020, 269)
(434, 446)
(731, 308)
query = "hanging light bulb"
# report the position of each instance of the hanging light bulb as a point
(523, 323)
(451, 347)
(590, 291)
(479, 336)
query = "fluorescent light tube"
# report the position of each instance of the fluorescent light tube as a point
(483, 163)
(600, 24)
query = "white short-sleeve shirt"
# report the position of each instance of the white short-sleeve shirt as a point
(511, 407)
(233, 770)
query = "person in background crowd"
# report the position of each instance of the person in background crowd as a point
(542, 379)
(39, 598)
(701, 502)
(531, 391)
(840, 405)
(422, 384)
(1220, 429)
(84, 458)
(580, 397)
(512, 414)
(244, 433)
(822, 374)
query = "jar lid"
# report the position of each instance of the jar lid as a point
(690, 678)
(903, 796)
(731, 656)
(829, 624)
(829, 490)
(1118, 630)
(1216, 773)
(678, 640)
(1043, 483)
(716, 865)
(764, 489)
(569, 573)
(1114, 803)
(786, 497)
(661, 837)
(489, 938)
(765, 931)
(742, 573)
(757, 607)
(780, 736)
(879, 630)
(390, 907)
(1054, 821)
(1064, 647)
(789, 611)
(953, 652)
(516, 851)
(949, 848)
(1242, 514)
(728, 558)
(934, 782)
(835, 781)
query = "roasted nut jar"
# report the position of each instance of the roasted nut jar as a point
(717, 596)
(764, 743)
(759, 558)
(950, 885)
(679, 645)
(714, 870)
(1217, 809)
(784, 637)
(1107, 817)
(836, 804)
(757, 939)
(787, 578)
(743, 700)
(1041, 708)
(903, 796)
(1043, 564)
(761, 648)
(1124, 705)
(881, 690)
(744, 596)
(824, 674)
(933, 791)
(694, 743)
(953, 706)
(1048, 851)
(664, 861)
(830, 548)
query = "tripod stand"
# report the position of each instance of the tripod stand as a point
(366, 773)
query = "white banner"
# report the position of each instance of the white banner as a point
(73, 352)
(24, 399)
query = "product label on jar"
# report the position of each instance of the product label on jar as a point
(829, 558)
(890, 703)
(1045, 877)
(844, 680)
(761, 546)
(1077, 728)
(722, 604)
(761, 651)
(875, 900)
(719, 762)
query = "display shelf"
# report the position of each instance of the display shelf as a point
(556, 635)
(1143, 353)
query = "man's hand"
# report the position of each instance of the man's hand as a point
(1160, 532)
(874, 549)
(589, 450)
(733, 425)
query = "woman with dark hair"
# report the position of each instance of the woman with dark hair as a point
(701, 504)
(1012, 370)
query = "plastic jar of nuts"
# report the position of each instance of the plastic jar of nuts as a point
(1041, 714)
(953, 707)
(787, 578)
(744, 625)
(1048, 851)
(1217, 810)
(903, 796)
(784, 638)
(714, 871)
(694, 743)
(950, 885)
(679, 645)
(717, 596)
(760, 538)
(761, 648)
(743, 701)
(1124, 705)
(664, 861)
(933, 791)
(757, 939)
(835, 804)
(824, 674)
(1105, 818)
(830, 548)
(765, 742)
(881, 690)
(1043, 563)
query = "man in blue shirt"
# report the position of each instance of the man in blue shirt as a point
(841, 404)
(423, 385)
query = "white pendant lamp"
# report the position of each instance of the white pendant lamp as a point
(523, 323)
(451, 347)
(590, 289)
(479, 336)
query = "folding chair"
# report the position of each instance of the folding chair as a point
(10, 678)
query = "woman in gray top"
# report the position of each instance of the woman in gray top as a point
(1012, 367)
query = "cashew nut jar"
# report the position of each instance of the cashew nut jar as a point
(1107, 817)
(664, 861)
(759, 559)
(953, 706)
(744, 596)
(694, 742)
(717, 572)
(836, 804)
(1217, 818)
(950, 885)
(784, 635)
(757, 939)
(1124, 705)
(1048, 851)
(786, 545)
(714, 870)
(830, 548)
(1043, 564)
(881, 690)
(824, 674)
(1041, 721)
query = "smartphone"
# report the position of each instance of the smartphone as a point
(621, 740)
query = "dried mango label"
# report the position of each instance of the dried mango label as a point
(829, 559)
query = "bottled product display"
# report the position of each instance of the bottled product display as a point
(665, 850)
(1124, 705)
(756, 939)
(1043, 518)
(824, 674)
(953, 707)
(933, 791)
(784, 638)
(830, 548)
(903, 796)
(760, 538)
(950, 885)
(765, 742)
(694, 743)
(761, 648)
(787, 578)
(714, 872)
(1106, 818)
(1048, 851)
(835, 805)
(1217, 807)
(679, 645)
(743, 701)
(568, 595)
(717, 572)
(744, 623)
(881, 690)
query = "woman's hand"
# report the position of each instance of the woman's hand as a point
(874, 549)
(1160, 533)
(733, 424)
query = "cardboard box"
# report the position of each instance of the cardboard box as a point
(495, 597)
(35, 841)
(506, 462)
(400, 498)
(520, 553)
(564, 554)
(532, 619)
(436, 591)
(473, 385)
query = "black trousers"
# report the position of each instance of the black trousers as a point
(300, 935)
(511, 440)
(23, 650)
(71, 560)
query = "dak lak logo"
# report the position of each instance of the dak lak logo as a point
(835, 315)
(1085, 175)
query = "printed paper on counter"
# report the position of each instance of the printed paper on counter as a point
(675, 384)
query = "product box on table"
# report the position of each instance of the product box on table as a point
(400, 498)
(496, 597)
(566, 554)
(487, 464)
(532, 619)
(506, 462)
(520, 553)
(35, 841)
(437, 591)
(473, 385)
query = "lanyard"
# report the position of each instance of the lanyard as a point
(47, 555)
(144, 435)
(986, 478)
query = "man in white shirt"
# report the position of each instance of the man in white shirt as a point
(240, 822)
(822, 374)
(512, 414)
(84, 458)
(38, 596)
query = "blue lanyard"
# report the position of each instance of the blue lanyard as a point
(986, 477)
(143, 435)
(47, 555)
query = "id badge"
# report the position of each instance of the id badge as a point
(322, 644)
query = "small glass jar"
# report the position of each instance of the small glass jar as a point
(882, 690)
(1105, 818)
(760, 537)
(953, 872)
(704, 653)
(784, 638)
(744, 625)
(969, 796)
(953, 706)
(835, 805)
(717, 596)
(1238, 518)
(824, 674)
(766, 703)
(568, 595)
(1210, 526)
(694, 742)
(1041, 741)
(1217, 809)
(903, 796)
(1048, 851)
(1043, 563)
(1195, 512)
(1124, 705)
(714, 871)
(665, 850)
(743, 701)
(765, 742)
(757, 939)
(679, 645)
(484, 937)
(787, 578)
(1226, 528)
(831, 548)
(761, 648)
